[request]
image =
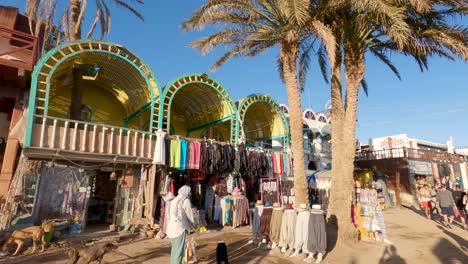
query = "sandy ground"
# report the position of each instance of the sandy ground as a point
(416, 240)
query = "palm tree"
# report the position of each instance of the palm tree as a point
(71, 23)
(249, 27)
(416, 28)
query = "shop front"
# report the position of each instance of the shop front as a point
(89, 135)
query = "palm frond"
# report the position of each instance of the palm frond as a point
(384, 58)
(32, 7)
(365, 87)
(229, 36)
(280, 68)
(80, 16)
(130, 8)
(322, 60)
(304, 63)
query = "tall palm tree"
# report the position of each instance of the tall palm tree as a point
(71, 23)
(417, 28)
(249, 27)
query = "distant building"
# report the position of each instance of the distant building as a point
(411, 159)
(18, 54)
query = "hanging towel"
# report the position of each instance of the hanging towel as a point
(175, 154)
(183, 154)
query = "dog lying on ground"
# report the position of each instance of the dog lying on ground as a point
(89, 254)
(19, 237)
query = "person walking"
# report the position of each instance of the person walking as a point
(446, 203)
(181, 222)
(425, 198)
(461, 201)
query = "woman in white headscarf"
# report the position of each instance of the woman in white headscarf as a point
(181, 222)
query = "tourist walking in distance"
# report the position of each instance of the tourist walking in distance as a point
(182, 222)
(461, 201)
(446, 203)
(425, 198)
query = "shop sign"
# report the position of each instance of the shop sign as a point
(398, 141)
(420, 167)
(107, 169)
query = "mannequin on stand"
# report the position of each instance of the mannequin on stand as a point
(265, 221)
(275, 224)
(301, 230)
(317, 236)
(258, 211)
(288, 227)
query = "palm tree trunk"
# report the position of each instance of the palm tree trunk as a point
(75, 34)
(344, 144)
(288, 56)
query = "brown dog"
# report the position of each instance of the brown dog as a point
(19, 237)
(89, 254)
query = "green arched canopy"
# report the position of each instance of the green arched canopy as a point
(117, 85)
(262, 118)
(196, 105)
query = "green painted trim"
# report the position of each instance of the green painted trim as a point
(219, 121)
(138, 112)
(226, 97)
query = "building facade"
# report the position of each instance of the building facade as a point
(97, 166)
(404, 160)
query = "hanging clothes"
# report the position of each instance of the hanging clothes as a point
(195, 155)
(167, 152)
(175, 153)
(243, 159)
(159, 157)
(183, 155)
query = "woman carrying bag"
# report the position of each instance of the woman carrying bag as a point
(182, 222)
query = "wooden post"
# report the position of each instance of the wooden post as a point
(397, 187)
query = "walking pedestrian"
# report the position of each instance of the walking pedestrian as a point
(425, 198)
(432, 190)
(181, 222)
(446, 203)
(460, 199)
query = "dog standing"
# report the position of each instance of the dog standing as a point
(19, 237)
(89, 254)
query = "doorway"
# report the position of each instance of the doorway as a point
(101, 202)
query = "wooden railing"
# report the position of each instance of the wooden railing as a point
(420, 154)
(20, 46)
(86, 137)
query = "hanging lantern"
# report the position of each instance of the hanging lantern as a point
(113, 176)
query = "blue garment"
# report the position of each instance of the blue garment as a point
(183, 154)
(177, 248)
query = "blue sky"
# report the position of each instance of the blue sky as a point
(432, 105)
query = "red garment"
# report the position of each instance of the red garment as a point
(281, 164)
(198, 175)
(273, 161)
(172, 188)
(265, 220)
(194, 155)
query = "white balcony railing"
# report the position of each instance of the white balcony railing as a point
(86, 137)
